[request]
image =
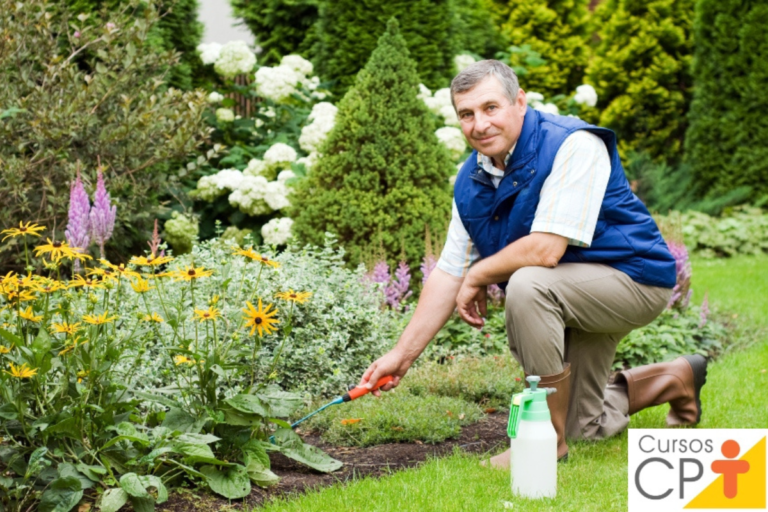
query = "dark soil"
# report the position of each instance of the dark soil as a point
(375, 461)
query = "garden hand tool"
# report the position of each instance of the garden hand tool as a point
(353, 393)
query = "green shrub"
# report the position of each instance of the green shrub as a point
(557, 30)
(383, 176)
(56, 118)
(741, 230)
(726, 140)
(395, 417)
(641, 71)
(474, 28)
(348, 31)
(281, 27)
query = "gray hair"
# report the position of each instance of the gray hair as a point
(479, 71)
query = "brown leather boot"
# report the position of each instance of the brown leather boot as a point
(558, 405)
(678, 382)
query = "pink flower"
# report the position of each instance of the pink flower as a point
(102, 215)
(77, 34)
(77, 232)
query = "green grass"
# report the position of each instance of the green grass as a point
(595, 478)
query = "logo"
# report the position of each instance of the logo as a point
(697, 469)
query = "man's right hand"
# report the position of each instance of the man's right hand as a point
(392, 363)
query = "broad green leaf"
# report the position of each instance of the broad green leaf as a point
(249, 404)
(198, 453)
(256, 451)
(62, 495)
(35, 463)
(281, 403)
(159, 399)
(151, 456)
(258, 472)
(143, 504)
(178, 419)
(240, 419)
(279, 422)
(11, 338)
(41, 346)
(197, 438)
(68, 427)
(113, 499)
(143, 441)
(292, 446)
(66, 470)
(8, 412)
(153, 481)
(131, 484)
(231, 482)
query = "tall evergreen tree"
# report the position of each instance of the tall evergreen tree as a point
(281, 27)
(475, 30)
(556, 29)
(726, 141)
(383, 176)
(641, 71)
(348, 30)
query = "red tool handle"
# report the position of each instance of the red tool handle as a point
(359, 391)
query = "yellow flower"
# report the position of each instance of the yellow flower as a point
(29, 229)
(86, 282)
(141, 286)
(28, 314)
(65, 328)
(290, 295)
(18, 296)
(154, 317)
(105, 273)
(100, 319)
(261, 319)
(190, 273)
(46, 285)
(182, 360)
(4, 349)
(82, 374)
(73, 344)
(214, 300)
(21, 372)
(120, 269)
(59, 250)
(207, 314)
(248, 253)
(151, 261)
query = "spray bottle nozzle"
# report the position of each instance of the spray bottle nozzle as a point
(533, 381)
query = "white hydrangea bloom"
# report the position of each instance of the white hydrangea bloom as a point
(433, 104)
(225, 115)
(209, 52)
(235, 59)
(449, 114)
(533, 97)
(309, 161)
(297, 63)
(285, 175)
(276, 195)
(255, 167)
(215, 97)
(277, 83)
(463, 61)
(453, 139)
(323, 117)
(549, 108)
(213, 186)
(586, 95)
(280, 155)
(229, 178)
(323, 110)
(444, 95)
(313, 83)
(277, 231)
(250, 196)
(424, 92)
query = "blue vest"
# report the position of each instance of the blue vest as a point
(626, 236)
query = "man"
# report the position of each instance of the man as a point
(543, 207)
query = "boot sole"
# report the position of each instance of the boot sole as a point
(699, 366)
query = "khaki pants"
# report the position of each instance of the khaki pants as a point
(578, 313)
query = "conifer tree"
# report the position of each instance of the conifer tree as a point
(281, 27)
(641, 72)
(348, 30)
(383, 176)
(558, 31)
(726, 142)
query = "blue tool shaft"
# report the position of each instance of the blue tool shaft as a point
(337, 401)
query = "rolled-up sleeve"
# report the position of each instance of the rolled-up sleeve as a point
(459, 253)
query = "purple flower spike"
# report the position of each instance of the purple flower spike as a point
(428, 264)
(380, 273)
(77, 232)
(398, 289)
(102, 215)
(681, 293)
(704, 311)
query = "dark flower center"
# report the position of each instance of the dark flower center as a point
(56, 245)
(257, 320)
(191, 272)
(23, 230)
(264, 258)
(206, 314)
(293, 295)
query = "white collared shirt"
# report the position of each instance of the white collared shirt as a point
(569, 204)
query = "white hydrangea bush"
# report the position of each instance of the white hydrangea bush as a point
(235, 58)
(277, 231)
(291, 77)
(453, 139)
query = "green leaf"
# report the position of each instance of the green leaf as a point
(159, 399)
(292, 446)
(8, 412)
(151, 456)
(131, 484)
(248, 404)
(257, 464)
(41, 346)
(239, 419)
(35, 463)
(11, 338)
(153, 481)
(66, 470)
(141, 440)
(178, 419)
(198, 453)
(280, 402)
(143, 504)
(113, 499)
(231, 482)
(62, 495)
(255, 450)
(68, 427)
(197, 438)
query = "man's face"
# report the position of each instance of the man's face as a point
(490, 122)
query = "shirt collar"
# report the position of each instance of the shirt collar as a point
(486, 163)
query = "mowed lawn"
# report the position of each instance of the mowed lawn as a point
(595, 477)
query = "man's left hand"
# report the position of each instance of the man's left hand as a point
(471, 302)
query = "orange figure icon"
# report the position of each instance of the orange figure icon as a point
(730, 469)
